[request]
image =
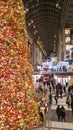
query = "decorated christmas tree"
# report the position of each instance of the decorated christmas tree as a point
(18, 107)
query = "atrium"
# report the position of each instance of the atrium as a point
(50, 25)
(36, 64)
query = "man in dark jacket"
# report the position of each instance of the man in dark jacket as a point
(58, 112)
(63, 114)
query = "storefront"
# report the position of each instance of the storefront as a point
(63, 78)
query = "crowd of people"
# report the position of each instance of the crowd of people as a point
(45, 97)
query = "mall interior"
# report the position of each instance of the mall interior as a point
(36, 65)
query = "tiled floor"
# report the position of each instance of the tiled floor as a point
(62, 125)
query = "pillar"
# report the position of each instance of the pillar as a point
(61, 46)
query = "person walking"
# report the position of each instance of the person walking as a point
(50, 98)
(64, 88)
(41, 116)
(63, 114)
(68, 101)
(72, 105)
(58, 112)
(56, 99)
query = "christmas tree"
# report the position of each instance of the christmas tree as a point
(18, 108)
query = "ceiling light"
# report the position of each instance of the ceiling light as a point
(67, 31)
(57, 5)
(55, 36)
(29, 24)
(24, 11)
(67, 39)
(27, 10)
(37, 0)
(31, 21)
(34, 26)
(36, 31)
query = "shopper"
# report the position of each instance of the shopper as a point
(68, 101)
(40, 89)
(41, 116)
(63, 114)
(69, 90)
(41, 112)
(48, 83)
(72, 105)
(50, 88)
(56, 99)
(44, 83)
(58, 112)
(50, 98)
(64, 88)
(71, 94)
